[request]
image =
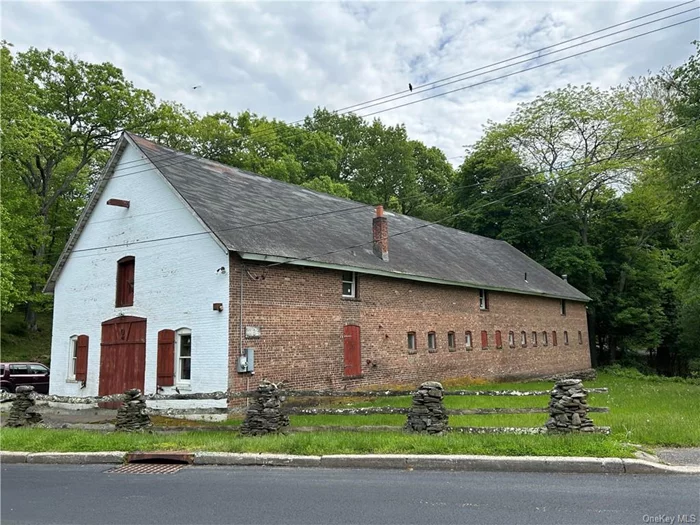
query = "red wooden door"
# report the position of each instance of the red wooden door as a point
(351, 350)
(123, 355)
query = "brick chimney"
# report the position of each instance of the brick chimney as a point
(380, 235)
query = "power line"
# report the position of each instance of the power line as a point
(519, 56)
(182, 236)
(453, 216)
(527, 69)
(369, 104)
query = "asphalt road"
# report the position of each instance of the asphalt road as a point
(86, 494)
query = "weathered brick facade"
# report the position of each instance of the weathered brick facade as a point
(301, 314)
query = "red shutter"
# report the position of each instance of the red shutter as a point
(554, 338)
(484, 339)
(166, 358)
(499, 341)
(351, 350)
(82, 358)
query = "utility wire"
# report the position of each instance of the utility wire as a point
(401, 95)
(365, 206)
(419, 87)
(527, 69)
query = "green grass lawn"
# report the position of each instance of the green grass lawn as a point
(319, 443)
(643, 412)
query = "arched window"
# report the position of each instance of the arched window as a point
(468, 339)
(523, 339)
(566, 337)
(125, 281)
(511, 339)
(544, 338)
(451, 346)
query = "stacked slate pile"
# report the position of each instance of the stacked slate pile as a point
(568, 408)
(427, 413)
(264, 415)
(132, 415)
(23, 412)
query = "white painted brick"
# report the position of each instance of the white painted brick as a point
(176, 281)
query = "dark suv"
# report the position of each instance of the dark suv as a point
(16, 374)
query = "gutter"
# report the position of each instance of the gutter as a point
(398, 275)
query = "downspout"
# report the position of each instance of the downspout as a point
(240, 329)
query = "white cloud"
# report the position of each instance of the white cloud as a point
(283, 59)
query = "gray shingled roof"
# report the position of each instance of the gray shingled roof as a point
(227, 198)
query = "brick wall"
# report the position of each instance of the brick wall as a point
(301, 315)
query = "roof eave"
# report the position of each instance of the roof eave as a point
(397, 275)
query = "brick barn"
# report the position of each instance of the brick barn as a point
(189, 274)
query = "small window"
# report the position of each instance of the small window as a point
(73, 356)
(468, 339)
(484, 339)
(432, 341)
(499, 341)
(523, 339)
(554, 338)
(411, 340)
(580, 337)
(544, 339)
(349, 284)
(451, 341)
(566, 337)
(534, 338)
(125, 281)
(562, 307)
(511, 339)
(184, 355)
(483, 299)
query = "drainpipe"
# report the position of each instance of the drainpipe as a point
(240, 329)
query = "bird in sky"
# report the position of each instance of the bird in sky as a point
(410, 86)
(197, 86)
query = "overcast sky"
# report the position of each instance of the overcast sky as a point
(282, 59)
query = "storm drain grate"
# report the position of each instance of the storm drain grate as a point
(146, 468)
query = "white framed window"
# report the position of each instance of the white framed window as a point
(511, 339)
(72, 357)
(483, 299)
(468, 338)
(534, 338)
(183, 354)
(349, 284)
(523, 339)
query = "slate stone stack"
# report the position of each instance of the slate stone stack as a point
(568, 408)
(264, 415)
(132, 416)
(23, 412)
(427, 413)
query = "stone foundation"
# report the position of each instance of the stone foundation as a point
(427, 413)
(568, 408)
(23, 412)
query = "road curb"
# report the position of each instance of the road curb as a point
(13, 457)
(73, 458)
(248, 459)
(463, 463)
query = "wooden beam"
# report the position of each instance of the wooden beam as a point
(118, 202)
